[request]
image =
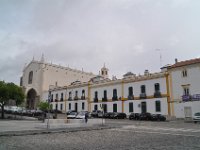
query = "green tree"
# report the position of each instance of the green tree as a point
(10, 91)
(44, 106)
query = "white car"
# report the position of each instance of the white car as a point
(81, 115)
(72, 115)
(196, 117)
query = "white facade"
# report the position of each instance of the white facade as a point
(39, 76)
(185, 84)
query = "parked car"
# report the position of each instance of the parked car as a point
(95, 113)
(158, 117)
(68, 112)
(108, 114)
(118, 115)
(81, 115)
(196, 117)
(72, 115)
(134, 116)
(145, 116)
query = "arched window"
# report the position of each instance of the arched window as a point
(30, 77)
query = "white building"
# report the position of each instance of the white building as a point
(185, 87)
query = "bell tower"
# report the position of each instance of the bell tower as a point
(104, 71)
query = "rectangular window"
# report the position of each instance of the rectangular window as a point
(69, 106)
(130, 91)
(56, 106)
(184, 73)
(61, 106)
(95, 107)
(158, 106)
(114, 107)
(131, 107)
(186, 91)
(83, 106)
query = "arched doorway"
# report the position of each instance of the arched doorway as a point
(31, 99)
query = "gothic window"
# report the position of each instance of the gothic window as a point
(30, 77)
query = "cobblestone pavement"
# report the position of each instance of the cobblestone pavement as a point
(130, 135)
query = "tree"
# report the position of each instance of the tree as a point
(44, 106)
(10, 91)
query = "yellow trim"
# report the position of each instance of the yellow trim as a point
(172, 96)
(89, 97)
(168, 94)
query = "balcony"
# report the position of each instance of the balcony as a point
(56, 100)
(157, 94)
(82, 97)
(96, 99)
(186, 98)
(104, 99)
(69, 99)
(61, 99)
(114, 98)
(131, 97)
(75, 97)
(143, 96)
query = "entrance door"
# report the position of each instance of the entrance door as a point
(143, 107)
(188, 112)
(105, 108)
(76, 107)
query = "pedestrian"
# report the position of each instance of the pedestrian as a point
(86, 117)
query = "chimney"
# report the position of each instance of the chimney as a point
(176, 60)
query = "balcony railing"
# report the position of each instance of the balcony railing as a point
(56, 100)
(96, 99)
(104, 99)
(186, 98)
(82, 97)
(61, 99)
(157, 94)
(69, 99)
(75, 97)
(143, 96)
(114, 98)
(131, 97)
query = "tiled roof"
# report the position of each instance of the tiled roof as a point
(185, 63)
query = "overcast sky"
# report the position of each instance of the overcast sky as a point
(123, 34)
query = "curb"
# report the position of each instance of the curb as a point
(49, 131)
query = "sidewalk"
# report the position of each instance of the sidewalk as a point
(18, 128)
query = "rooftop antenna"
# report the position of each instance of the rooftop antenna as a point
(159, 50)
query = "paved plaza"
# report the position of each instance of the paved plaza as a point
(124, 134)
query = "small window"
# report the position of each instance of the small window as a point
(143, 89)
(61, 97)
(131, 107)
(105, 94)
(56, 96)
(115, 93)
(76, 93)
(158, 106)
(30, 77)
(184, 73)
(157, 87)
(83, 92)
(83, 106)
(95, 107)
(96, 94)
(130, 91)
(69, 106)
(186, 91)
(61, 106)
(114, 107)
(70, 94)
